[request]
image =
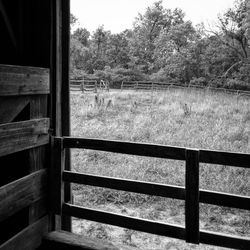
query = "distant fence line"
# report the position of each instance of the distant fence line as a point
(158, 86)
(89, 85)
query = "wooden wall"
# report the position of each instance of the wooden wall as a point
(24, 140)
(31, 80)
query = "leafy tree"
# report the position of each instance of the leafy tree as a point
(147, 28)
(82, 35)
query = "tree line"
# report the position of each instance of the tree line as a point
(163, 46)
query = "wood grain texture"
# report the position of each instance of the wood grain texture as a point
(19, 136)
(68, 241)
(37, 156)
(22, 80)
(21, 193)
(28, 239)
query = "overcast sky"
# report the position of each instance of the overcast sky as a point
(118, 15)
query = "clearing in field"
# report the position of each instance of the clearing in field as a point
(187, 118)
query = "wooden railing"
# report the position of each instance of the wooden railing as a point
(190, 193)
(88, 85)
(159, 86)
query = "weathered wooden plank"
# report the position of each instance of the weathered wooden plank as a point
(67, 241)
(28, 239)
(37, 156)
(225, 240)
(192, 196)
(142, 149)
(23, 80)
(126, 185)
(19, 136)
(10, 107)
(147, 226)
(21, 193)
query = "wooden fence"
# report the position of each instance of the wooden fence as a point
(89, 85)
(159, 86)
(190, 193)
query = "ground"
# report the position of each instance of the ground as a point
(186, 118)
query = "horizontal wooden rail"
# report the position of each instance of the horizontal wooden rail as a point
(147, 226)
(23, 80)
(225, 158)
(141, 149)
(224, 240)
(159, 151)
(18, 136)
(224, 199)
(148, 188)
(21, 193)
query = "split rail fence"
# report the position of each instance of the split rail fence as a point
(88, 85)
(159, 86)
(191, 193)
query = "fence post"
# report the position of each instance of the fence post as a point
(95, 87)
(192, 196)
(122, 85)
(56, 184)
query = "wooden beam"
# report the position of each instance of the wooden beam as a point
(20, 80)
(143, 225)
(18, 136)
(56, 184)
(192, 196)
(224, 240)
(21, 193)
(142, 187)
(160, 151)
(142, 149)
(224, 199)
(68, 241)
(225, 158)
(28, 239)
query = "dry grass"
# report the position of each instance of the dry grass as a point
(177, 117)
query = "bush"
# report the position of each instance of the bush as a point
(237, 84)
(200, 81)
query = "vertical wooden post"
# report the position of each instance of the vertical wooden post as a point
(55, 181)
(65, 104)
(122, 85)
(192, 196)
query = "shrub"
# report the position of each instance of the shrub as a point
(200, 81)
(237, 84)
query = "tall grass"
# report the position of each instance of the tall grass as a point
(177, 117)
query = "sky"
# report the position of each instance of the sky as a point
(118, 15)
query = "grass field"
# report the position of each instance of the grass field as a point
(188, 118)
